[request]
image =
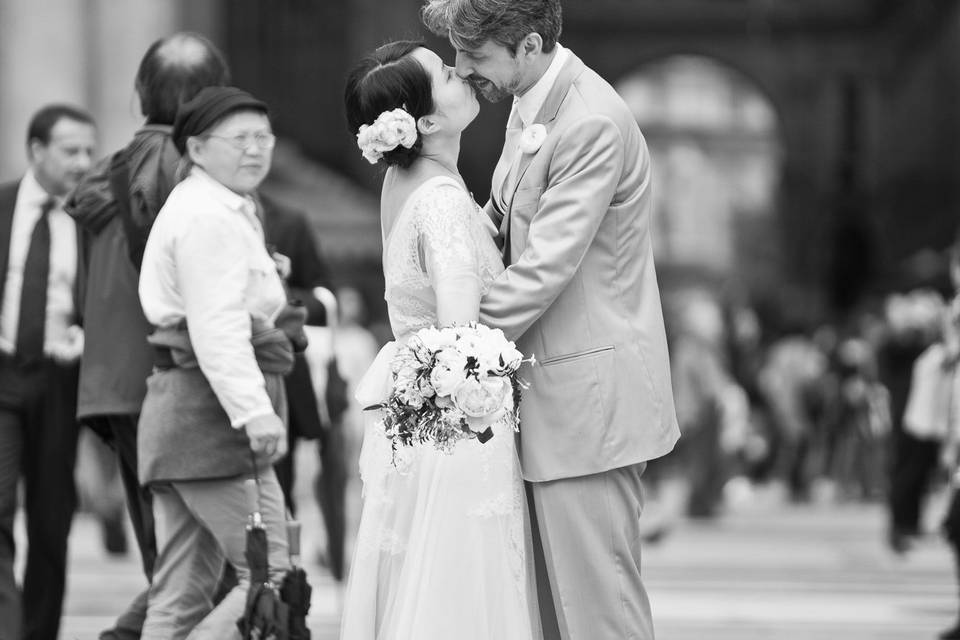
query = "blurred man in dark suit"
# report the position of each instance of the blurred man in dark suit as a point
(40, 342)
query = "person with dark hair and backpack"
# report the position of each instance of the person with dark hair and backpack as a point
(115, 205)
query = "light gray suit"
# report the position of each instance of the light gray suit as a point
(580, 293)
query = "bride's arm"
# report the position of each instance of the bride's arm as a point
(449, 254)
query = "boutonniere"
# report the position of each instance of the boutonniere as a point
(532, 138)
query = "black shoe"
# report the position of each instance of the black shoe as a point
(899, 542)
(951, 634)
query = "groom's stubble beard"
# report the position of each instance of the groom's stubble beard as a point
(490, 91)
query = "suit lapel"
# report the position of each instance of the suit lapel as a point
(546, 116)
(8, 202)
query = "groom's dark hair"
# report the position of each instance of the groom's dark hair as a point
(470, 23)
(387, 79)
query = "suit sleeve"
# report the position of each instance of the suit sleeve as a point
(289, 232)
(307, 271)
(585, 171)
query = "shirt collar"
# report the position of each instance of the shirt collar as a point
(528, 105)
(230, 199)
(155, 128)
(31, 194)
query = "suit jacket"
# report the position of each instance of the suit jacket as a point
(289, 232)
(8, 202)
(580, 292)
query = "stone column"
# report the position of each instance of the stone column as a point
(42, 60)
(84, 52)
(120, 33)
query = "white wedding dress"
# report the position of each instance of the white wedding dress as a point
(443, 548)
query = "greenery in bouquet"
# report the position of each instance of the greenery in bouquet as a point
(452, 384)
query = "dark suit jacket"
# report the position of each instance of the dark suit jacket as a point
(288, 232)
(8, 202)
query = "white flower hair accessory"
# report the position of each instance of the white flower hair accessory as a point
(390, 130)
(532, 138)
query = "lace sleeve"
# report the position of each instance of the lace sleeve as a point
(449, 253)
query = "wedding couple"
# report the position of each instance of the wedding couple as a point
(478, 544)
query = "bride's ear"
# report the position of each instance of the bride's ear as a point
(427, 125)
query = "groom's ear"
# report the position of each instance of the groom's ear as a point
(532, 44)
(426, 125)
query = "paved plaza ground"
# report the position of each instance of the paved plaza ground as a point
(764, 571)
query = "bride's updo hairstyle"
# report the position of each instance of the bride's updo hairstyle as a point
(387, 79)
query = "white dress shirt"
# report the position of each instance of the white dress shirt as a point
(522, 114)
(206, 261)
(528, 105)
(63, 267)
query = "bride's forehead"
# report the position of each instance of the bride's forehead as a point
(430, 60)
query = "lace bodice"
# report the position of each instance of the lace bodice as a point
(438, 239)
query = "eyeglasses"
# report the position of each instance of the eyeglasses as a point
(243, 141)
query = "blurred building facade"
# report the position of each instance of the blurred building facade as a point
(806, 147)
(84, 52)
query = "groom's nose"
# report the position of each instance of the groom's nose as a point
(462, 66)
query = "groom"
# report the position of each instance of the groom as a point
(572, 196)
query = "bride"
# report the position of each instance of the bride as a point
(443, 546)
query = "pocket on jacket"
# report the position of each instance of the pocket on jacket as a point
(567, 357)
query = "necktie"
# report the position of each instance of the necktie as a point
(33, 293)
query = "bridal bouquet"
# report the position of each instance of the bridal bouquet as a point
(452, 384)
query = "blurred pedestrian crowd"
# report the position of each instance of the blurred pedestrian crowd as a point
(852, 410)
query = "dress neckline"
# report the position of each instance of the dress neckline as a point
(411, 200)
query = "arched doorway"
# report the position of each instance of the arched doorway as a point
(717, 155)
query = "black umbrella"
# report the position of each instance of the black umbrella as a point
(330, 489)
(265, 616)
(295, 590)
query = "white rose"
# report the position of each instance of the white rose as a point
(389, 130)
(449, 371)
(532, 138)
(501, 357)
(445, 381)
(436, 339)
(480, 398)
(468, 342)
(488, 354)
